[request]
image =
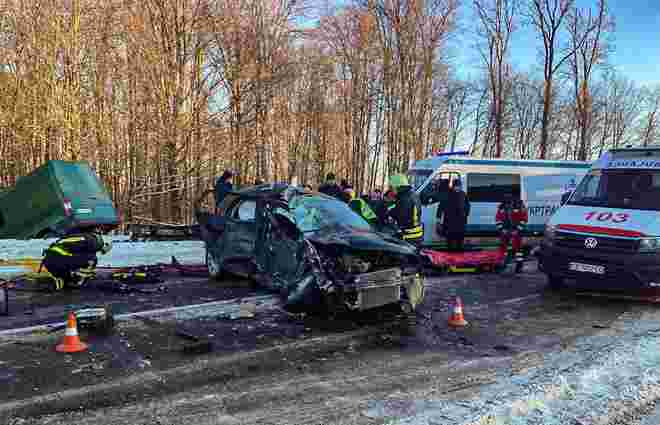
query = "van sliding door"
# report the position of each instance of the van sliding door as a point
(485, 192)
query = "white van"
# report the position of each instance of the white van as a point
(607, 234)
(540, 184)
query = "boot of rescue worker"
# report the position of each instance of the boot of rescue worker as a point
(516, 247)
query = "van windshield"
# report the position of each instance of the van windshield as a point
(416, 178)
(627, 189)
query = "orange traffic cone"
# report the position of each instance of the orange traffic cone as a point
(71, 342)
(456, 318)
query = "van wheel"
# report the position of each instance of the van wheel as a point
(215, 271)
(555, 282)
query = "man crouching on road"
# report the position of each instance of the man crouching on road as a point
(72, 259)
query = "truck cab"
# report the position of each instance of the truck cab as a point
(607, 233)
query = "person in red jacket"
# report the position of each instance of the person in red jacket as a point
(511, 220)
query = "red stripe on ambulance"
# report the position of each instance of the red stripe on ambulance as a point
(601, 230)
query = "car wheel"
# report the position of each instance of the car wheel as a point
(215, 271)
(555, 282)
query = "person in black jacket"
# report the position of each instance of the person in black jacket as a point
(407, 211)
(456, 212)
(223, 186)
(331, 188)
(72, 259)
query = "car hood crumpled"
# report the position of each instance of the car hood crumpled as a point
(361, 240)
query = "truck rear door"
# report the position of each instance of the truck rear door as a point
(84, 194)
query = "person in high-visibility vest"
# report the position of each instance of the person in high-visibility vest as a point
(407, 211)
(72, 259)
(361, 207)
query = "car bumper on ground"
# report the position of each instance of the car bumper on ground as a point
(603, 270)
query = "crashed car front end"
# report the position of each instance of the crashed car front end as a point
(360, 280)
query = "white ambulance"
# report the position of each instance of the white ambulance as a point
(540, 184)
(607, 235)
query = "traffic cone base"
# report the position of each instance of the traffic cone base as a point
(71, 342)
(456, 319)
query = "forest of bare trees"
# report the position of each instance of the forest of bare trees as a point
(161, 95)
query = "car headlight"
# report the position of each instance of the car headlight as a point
(649, 244)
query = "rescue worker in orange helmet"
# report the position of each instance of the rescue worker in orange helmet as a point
(511, 221)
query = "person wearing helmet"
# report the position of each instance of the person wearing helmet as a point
(407, 210)
(361, 207)
(72, 259)
(511, 219)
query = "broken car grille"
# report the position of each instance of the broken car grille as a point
(380, 278)
(378, 288)
(604, 243)
(378, 296)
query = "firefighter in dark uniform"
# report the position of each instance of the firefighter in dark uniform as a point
(511, 220)
(407, 210)
(72, 259)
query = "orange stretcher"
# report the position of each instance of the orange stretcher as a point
(468, 261)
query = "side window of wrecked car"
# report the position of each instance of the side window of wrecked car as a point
(246, 211)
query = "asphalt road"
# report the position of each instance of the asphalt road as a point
(521, 342)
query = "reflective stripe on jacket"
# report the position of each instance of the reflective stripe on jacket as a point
(408, 214)
(361, 207)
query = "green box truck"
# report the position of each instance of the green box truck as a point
(58, 198)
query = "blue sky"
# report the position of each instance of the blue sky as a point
(636, 42)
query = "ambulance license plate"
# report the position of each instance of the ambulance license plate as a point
(586, 268)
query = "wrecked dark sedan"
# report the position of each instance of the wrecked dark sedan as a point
(312, 249)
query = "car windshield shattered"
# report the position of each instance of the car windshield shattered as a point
(627, 189)
(315, 213)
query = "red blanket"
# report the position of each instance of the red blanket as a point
(466, 259)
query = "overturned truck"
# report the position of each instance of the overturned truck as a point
(312, 249)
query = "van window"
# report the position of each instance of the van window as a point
(437, 190)
(2, 219)
(627, 189)
(492, 187)
(246, 211)
(416, 178)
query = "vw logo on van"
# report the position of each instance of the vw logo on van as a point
(590, 243)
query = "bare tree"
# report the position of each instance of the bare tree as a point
(526, 112)
(497, 24)
(591, 52)
(616, 111)
(548, 18)
(650, 128)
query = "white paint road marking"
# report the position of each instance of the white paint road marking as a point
(205, 309)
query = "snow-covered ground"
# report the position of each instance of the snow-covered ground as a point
(576, 386)
(124, 253)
